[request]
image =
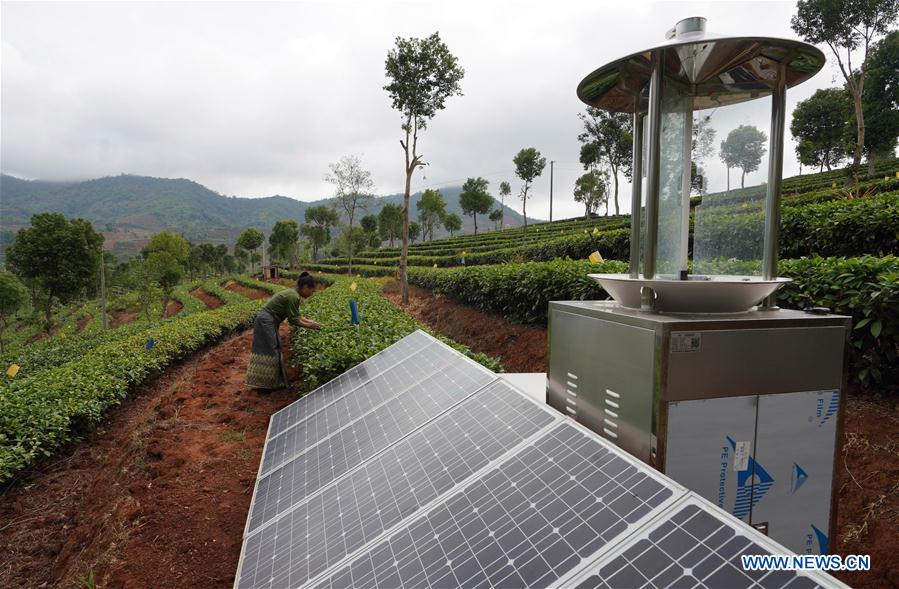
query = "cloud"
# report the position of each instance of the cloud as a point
(256, 99)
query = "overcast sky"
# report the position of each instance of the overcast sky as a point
(255, 99)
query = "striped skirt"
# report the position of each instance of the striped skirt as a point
(266, 369)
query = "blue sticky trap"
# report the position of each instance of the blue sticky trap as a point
(354, 313)
(150, 343)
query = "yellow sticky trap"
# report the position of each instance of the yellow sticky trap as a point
(833, 184)
(435, 264)
(897, 174)
(353, 287)
(596, 231)
(595, 258)
(62, 335)
(12, 371)
(463, 253)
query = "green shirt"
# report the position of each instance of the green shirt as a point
(283, 305)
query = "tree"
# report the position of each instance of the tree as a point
(250, 240)
(369, 225)
(59, 257)
(452, 222)
(172, 243)
(390, 222)
(474, 199)
(529, 165)
(496, 215)
(423, 74)
(819, 124)
(504, 190)
(610, 137)
(414, 231)
(206, 256)
(354, 188)
(166, 271)
(743, 148)
(13, 295)
(319, 220)
(702, 147)
(143, 282)
(591, 189)
(282, 243)
(241, 257)
(880, 99)
(431, 210)
(845, 26)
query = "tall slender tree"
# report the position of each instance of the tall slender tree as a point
(505, 190)
(250, 240)
(743, 148)
(354, 188)
(431, 211)
(390, 222)
(475, 200)
(423, 74)
(607, 137)
(529, 165)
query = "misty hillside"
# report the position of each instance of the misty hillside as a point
(128, 209)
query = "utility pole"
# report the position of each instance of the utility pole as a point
(103, 287)
(551, 165)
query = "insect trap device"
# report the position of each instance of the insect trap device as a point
(692, 367)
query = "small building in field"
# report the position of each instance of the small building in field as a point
(270, 273)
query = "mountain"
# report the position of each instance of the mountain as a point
(129, 209)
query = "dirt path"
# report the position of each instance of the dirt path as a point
(173, 307)
(155, 497)
(82, 323)
(211, 301)
(868, 504)
(124, 316)
(250, 293)
(520, 348)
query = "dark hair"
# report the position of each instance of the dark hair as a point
(305, 279)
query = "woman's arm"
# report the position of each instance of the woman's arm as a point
(309, 324)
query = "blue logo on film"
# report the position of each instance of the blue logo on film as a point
(752, 484)
(797, 479)
(822, 540)
(822, 413)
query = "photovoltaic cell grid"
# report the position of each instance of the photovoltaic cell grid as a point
(351, 407)
(397, 483)
(360, 440)
(525, 523)
(348, 381)
(694, 547)
(441, 485)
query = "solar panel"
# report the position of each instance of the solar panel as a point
(348, 447)
(525, 523)
(694, 545)
(320, 531)
(351, 407)
(422, 469)
(348, 381)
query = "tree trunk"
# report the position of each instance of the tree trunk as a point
(349, 244)
(743, 179)
(728, 178)
(615, 176)
(502, 208)
(404, 279)
(475, 217)
(859, 122)
(524, 212)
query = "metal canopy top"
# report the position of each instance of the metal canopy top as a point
(717, 70)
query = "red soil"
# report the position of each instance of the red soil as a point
(520, 348)
(250, 293)
(155, 497)
(124, 317)
(211, 301)
(173, 307)
(82, 323)
(868, 503)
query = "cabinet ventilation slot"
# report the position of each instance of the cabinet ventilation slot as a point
(571, 397)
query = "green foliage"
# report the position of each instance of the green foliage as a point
(496, 215)
(414, 231)
(880, 98)
(283, 241)
(250, 240)
(390, 222)
(867, 288)
(165, 271)
(819, 124)
(170, 243)
(40, 412)
(453, 222)
(520, 292)
(340, 345)
(529, 165)
(58, 256)
(743, 148)
(607, 140)
(590, 189)
(431, 210)
(475, 199)
(13, 296)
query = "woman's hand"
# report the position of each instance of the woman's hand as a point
(310, 324)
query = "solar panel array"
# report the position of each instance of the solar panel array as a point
(420, 468)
